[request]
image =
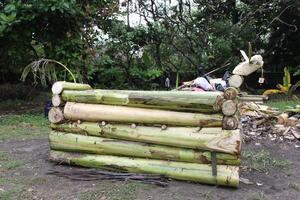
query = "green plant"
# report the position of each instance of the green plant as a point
(175, 39)
(7, 162)
(263, 160)
(258, 196)
(282, 104)
(120, 191)
(44, 70)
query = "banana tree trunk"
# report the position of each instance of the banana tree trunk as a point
(97, 145)
(212, 139)
(56, 115)
(206, 102)
(236, 81)
(92, 112)
(59, 86)
(229, 107)
(201, 173)
(57, 100)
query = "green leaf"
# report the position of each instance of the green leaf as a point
(9, 8)
(11, 18)
(8, 18)
(146, 60)
(66, 5)
(296, 73)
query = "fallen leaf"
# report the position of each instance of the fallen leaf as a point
(246, 181)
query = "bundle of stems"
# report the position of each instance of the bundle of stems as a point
(202, 173)
(97, 145)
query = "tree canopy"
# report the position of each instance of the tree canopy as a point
(98, 43)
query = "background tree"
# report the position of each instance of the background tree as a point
(97, 41)
(61, 30)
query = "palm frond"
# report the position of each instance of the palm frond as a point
(43, 71)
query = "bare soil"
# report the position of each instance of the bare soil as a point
(30, 180)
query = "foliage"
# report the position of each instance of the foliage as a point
(59, 30)
(177, 39)
(16, 91)
(44, 70)
(91, 39)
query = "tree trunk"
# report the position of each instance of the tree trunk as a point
(212, 139)
(97, 145)
(206, 102)
(201, 173)
(56, 115)
(59, 86)
(248, 67)
(92, 112)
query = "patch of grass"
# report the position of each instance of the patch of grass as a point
(282, 104)
(24, 126)
(17, 192)
(295, 186)
(262, 160)
(13, 189)
(117, 191)
(206, 195)
(3, 180)
(258, 196)
(7, 162)
(11, 194)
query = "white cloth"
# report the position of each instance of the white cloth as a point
(203, 83)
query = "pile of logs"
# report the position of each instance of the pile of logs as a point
(190, 136)
(259, 99)
(260, 122)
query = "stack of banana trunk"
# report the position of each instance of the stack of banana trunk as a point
(190, 136)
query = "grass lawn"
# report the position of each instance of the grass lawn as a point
(282, 104)
(23, 126)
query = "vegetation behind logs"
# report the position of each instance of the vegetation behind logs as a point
(176, 38)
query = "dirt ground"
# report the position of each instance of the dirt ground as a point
(30, 179)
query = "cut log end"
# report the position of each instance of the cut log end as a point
(59, 158)
(57, 101)
(218, 103)
(56, 115)
(235, 81)
(231, 93)
(229, 107)
(283, 118)
(57, 88)
(230, 123)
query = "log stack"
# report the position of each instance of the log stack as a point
(258, 99)
(190, 136)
